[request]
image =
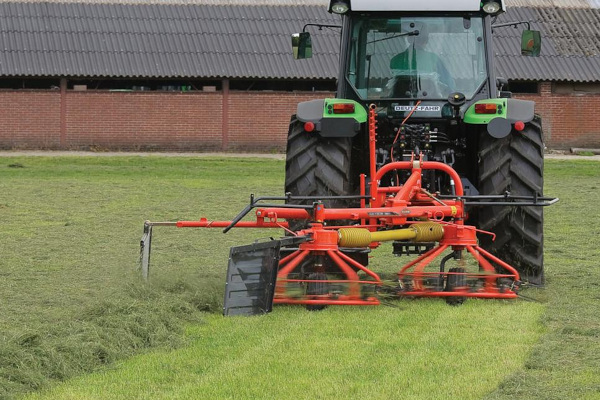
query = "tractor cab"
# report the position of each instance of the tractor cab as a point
(397, 53)
(399, 60)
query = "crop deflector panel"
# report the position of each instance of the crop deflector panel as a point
(251, 276)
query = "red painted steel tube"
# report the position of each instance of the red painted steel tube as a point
(363, 189)
(223, 224)
(287, 258)
(499, 262)
(470, 274)
(392, 166)
(485, 265)
(330, 281)
(358, 265)
(284, 271)
(483, 295)
(418, 274)
(425, 165)
(412, 211)
(417, 260)
(354, 288)
(389, 189)
(412, 185)
(490, 281)
(372, 155)
(372, 302)
(286, 213)
(358, 213)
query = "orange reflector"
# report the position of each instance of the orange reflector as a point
(486, 108)
(343, 108)
(309, 126)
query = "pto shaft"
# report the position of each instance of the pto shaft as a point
(361, 237)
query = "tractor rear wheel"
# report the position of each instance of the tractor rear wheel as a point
(514, 164)
(317, 166)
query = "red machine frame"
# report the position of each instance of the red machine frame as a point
(389, 207)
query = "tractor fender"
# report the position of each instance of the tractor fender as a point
(520, 110)
(334, 126)
(499, 123)
(516, 110)
(310, 111)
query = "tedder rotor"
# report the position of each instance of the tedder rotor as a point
(323, 258)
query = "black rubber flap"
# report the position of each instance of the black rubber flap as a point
(339, 127)
(251, 276)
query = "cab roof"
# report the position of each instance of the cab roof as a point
(416, 5)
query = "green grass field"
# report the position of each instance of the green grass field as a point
(72, 302)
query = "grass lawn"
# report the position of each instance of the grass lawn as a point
(423, 350)
(565, 364)
(73, 303)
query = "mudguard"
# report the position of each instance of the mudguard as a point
(509, 111)
(512, 110)
(329, 124)
(520, 110)
(310, 111)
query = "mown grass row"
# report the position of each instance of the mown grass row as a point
(70, 297)
(418, 350)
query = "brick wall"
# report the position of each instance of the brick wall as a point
(260, 120)
(102, 120)
(29, 119)
(144, 120)
(569, 120)
(255, 121)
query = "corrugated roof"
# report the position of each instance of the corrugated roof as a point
(323, 3)
(153, 40)
(570, 45)
(552, 3)
(216, 39)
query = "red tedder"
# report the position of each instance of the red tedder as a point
(325, 263)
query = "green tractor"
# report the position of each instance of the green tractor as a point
(428, 69)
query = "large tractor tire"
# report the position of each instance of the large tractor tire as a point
(317, 166)
(514, 164)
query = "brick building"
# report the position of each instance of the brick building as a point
(218, 74)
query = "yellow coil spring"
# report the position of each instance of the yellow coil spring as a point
(428, 232)
(361, 237)
(354, 237)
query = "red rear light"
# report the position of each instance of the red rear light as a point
(343, 108)
(486, 108)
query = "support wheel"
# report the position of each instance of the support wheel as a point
(317, 288)
(453, 282)
(514, 164)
